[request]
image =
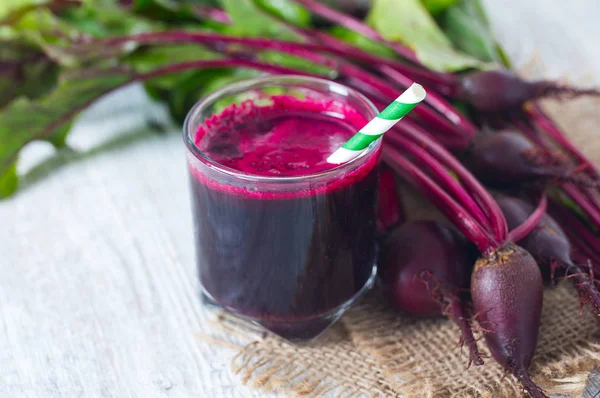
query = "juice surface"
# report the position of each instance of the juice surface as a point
(290, 137)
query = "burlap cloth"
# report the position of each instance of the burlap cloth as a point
(374, 351)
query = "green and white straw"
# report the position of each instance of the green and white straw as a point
(386, 119)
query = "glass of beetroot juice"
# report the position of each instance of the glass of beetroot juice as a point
(283, 238)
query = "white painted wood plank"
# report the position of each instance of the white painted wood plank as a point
(98, 294)
(98, 289)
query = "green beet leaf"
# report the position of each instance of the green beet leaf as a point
(11, 10)
(173, 12)
(408, 22)
(468, 29)
(24, 71)
(25, 120)
(183, 97)
(286, 10)
(437, 6)
(179, 90)
(251, 20)
(147, 59)
(294, 62)
(9, 181)
(361, 41)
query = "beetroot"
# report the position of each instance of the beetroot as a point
(424, 267)
(501, 90)
(550, 247)
(506, 158)
(506, 287)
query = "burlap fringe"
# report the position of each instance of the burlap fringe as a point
(271, 364)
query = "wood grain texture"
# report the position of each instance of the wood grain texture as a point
(98, 289)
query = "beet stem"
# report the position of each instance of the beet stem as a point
(582, 201)
(558, 172)
(584, 251)
(356, 25)
(222, 63)
(443, 178)
(544, 122)
(590, 202)
(306, 50)
(453, 211)
(531, 222)
(473, 186)
(576, 228)
(335, 46)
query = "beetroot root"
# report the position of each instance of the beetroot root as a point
(505, 158)
(503, 91)
(423, 268)
(506, 288)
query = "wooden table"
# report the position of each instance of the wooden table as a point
(98, 289)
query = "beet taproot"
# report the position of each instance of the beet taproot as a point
(500, 90)
(506, 158)
(424, 269)
(506, 288)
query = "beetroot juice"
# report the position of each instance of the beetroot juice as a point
(282, 237)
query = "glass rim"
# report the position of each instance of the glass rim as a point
(248, 84)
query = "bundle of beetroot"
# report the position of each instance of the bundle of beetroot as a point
(479, 128)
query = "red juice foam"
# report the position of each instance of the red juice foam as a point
(286, 258)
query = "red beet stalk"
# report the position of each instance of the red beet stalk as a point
(526, 226)
(305, 50)
(469, 182)
(332, 45)
(574, 225)
(550, 247)
(356, 25)
(445, 180)
(451, 209)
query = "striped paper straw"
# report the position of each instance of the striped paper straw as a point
(386, 119)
